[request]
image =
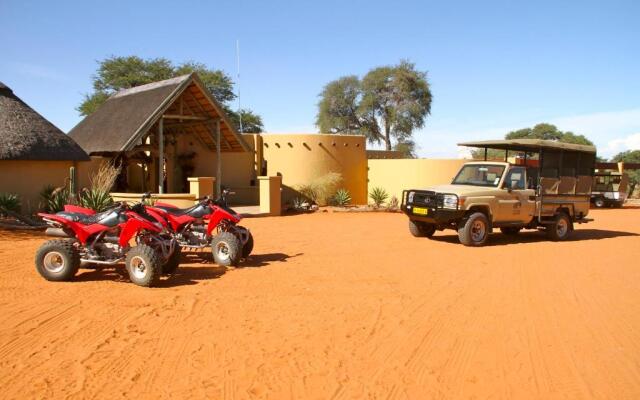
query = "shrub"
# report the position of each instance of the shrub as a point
(342, 197)
(379, 196)
(321, 190)
(54, 199)
(9, 202)
(393, 203)
(95, 199)
(105, 177)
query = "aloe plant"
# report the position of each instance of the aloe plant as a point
(342, 197)
(379, 196)
(95, 199)
(9, 202)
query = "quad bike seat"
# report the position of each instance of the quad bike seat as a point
(197, 211)
(106, 218)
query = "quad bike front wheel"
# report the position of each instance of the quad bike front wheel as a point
(226, 249)
(143, 265)
(58, 260)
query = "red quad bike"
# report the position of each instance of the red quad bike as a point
(209, 223)
(103, 239)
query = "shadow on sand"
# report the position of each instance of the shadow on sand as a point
(193, 269)
(498, 239)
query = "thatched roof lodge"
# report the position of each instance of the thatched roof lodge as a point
(34, 153)
(163, 133)
(27, 135)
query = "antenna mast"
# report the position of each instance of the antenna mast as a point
(239, 104)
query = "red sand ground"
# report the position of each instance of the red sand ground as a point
(336, 305)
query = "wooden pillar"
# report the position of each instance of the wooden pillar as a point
(160, 156)
(218, 158)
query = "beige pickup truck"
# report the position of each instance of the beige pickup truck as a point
(547, 186)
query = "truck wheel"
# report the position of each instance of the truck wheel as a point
(226, 249)
(57, 260)
(421, 229)
(598, 202)
(560, 228)
(475, 230)
(510, 230)
(173, 262)
(143, 265)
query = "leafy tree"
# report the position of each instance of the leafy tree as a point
(542, 131)
(407, 147)
(387, 105)
(338, 107)
(630, 156)
(251, 122)
(116, 73)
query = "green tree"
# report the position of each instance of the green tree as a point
(251, 123)
(407, 147)
(338, 107)
(542, 131)
(630, 156)
(386, 106)
(116, 73)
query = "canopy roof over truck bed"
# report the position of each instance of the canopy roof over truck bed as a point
(530, 145)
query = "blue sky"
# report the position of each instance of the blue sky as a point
(493, 66)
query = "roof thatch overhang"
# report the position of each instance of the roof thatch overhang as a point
(183, 104)
(27, 135)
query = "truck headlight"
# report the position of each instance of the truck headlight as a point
(410, 197)
(450, 201)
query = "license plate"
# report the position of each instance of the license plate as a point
(420, 210)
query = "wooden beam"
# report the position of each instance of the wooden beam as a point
(160, 157)
(218, 157)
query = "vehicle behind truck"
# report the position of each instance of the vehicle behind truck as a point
(546, 187)
(609, 189)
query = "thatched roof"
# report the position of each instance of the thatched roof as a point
(27, 135)
(125, 119)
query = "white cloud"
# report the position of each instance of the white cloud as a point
(611, 132)
(631, 142)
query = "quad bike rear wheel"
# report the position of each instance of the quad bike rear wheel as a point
(143, 265)
(58, 260)
(226, 249)
(173, 262)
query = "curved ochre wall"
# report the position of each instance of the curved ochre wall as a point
(394, 176)
(302, 158)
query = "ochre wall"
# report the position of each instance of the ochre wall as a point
(27, 179)
(394, 176)
(302, 158)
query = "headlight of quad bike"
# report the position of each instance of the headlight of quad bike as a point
(410, 197)
(450, 201)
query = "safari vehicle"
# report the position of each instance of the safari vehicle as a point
(547, 186)
(609, 190)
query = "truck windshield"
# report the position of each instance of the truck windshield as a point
(479, 175)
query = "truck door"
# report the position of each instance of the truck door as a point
(517, 203)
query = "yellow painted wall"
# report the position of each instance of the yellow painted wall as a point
(397, 175)
(302, 158)
(27, 179)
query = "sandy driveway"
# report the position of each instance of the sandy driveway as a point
(338, 306)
